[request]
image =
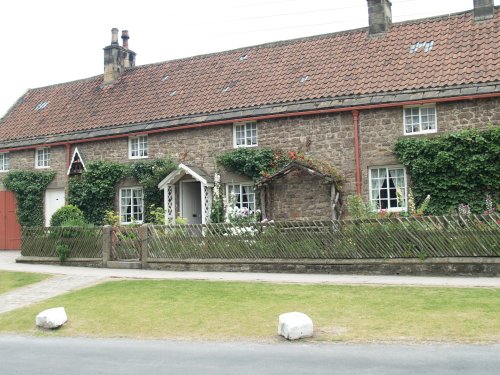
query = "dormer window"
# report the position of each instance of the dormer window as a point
(42, 157)
(245, 134)
(138, 147)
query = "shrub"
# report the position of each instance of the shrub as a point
(66, 214)
(62, 251)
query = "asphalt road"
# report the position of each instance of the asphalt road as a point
(56, 356)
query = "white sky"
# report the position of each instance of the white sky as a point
(45, 42)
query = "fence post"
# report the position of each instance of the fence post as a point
(106, 245)
(143, 238)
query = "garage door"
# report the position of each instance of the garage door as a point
(10, 230)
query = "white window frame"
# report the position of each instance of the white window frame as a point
(4, 162)
(142, 153)
(420, 122)
(42, 158)
(131, 205)
(245, 127)
(239, 202)
(373, 200)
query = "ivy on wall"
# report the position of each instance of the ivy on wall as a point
(94, 190)
(29, 188)
(149, 173)
(457, 168)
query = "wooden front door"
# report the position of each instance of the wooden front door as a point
(10, 230)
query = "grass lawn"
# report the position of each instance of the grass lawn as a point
(249, 311)
(11, 280)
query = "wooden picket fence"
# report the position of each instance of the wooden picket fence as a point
(413, 237)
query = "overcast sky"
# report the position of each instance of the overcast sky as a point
(52, 41)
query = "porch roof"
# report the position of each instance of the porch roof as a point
(197, 173)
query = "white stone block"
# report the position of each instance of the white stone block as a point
(51, 318)
(295, 325)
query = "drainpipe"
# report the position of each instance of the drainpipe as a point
(355, 115)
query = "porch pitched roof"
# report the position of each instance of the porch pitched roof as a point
(197, 173)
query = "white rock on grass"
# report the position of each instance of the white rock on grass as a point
(51, 318)
(295, 325)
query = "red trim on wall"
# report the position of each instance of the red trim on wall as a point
(264, 117)
(355, 115)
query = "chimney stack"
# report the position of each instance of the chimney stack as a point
(379, 16)
(483, 9)
(117, 58)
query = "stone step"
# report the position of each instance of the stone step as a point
(129, 265)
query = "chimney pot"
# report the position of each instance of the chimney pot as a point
(379, 16)
(114, 35)
(483, 9)
(125, 38)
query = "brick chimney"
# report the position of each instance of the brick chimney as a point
(379, 16)
(117, 58)
(483, 9)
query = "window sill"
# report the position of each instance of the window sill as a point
(245, 146)
(422, 132)
(137, 157)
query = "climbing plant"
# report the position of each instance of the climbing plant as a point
(454, 169)
(149, 173)
(29, 188)
(94, 190)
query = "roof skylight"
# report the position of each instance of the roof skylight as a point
(243, 57)
(41, 106)
(165, 78)
(173, 93)
(303, 79)
(425, 46)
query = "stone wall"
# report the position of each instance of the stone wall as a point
(299, 196)
(329, 138)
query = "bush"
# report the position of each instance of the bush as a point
(62, 251)
(65, 214)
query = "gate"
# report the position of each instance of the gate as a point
(10, 230)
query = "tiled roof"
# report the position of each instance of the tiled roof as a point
(424, 54)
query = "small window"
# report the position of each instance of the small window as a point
(131, 205)
(420, 120)
(245, 135)
(42, 157)
(4, 162)
(242, 196)
(138, 147)
(388, 188)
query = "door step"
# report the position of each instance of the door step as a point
(134, 265)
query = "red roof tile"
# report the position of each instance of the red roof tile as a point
(349, 63)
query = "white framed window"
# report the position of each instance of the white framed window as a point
(4, 162)
(388, 188)
(245, 134)
(243, 196)
(138, 147)
(42, 157)
(131, 205)
(420, 119)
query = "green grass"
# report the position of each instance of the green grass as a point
(249, 311)
(11, 280)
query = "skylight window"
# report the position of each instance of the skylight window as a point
(228, 87)
(41, 106)
(173, 93)
(422, 46)
(165, 78)
(303, 79)
(243, 57)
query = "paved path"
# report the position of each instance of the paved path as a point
(70, 278)
(46, 289)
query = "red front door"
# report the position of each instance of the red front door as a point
(10, 230)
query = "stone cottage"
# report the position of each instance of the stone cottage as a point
(342, 98)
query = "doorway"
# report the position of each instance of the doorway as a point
(191, 201)
(54, 199)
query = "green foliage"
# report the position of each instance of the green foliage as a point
(94, 191)
(29, 188)
(111, 218)
(149, 173)
(458, 168)
(65, 214)
(249, 162)
(359, 209)
(156, 215)
(62, 251)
